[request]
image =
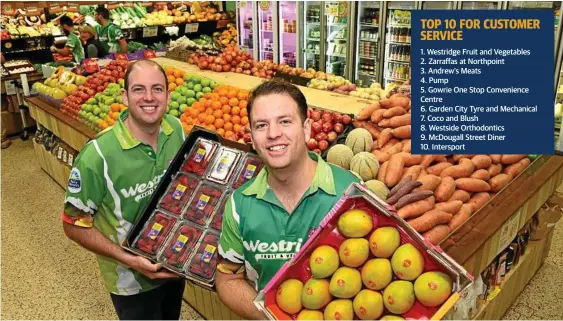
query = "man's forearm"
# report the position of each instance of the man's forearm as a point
(238, 295)
(94, 241)
(123, 46)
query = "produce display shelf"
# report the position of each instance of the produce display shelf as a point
(71, 131)
(315, 98)
(515, 280)
(51, 165)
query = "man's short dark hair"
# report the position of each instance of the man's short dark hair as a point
(143, 61)
(103, 11)
(279, 87)
(66, 21)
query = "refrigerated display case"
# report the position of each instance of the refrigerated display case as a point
(539, 5)
(247, 27)
(368, 40)
(312, 35)
(438, 5)
(288, 32)
(267, 30)
(337, 22)
(398, 42)
(480, 5)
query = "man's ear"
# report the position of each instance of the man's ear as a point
(124, 97)
(307, 128)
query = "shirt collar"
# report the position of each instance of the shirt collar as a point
(323, 179)
(126, 140)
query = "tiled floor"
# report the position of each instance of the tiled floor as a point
(46, 276)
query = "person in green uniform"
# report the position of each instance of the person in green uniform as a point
(73, 45)
(267, 220)
(110, 35)
(110, 183)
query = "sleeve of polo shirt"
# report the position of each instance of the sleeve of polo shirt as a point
(85, 190)
(230, 243)
(117, 34)
(69, 43)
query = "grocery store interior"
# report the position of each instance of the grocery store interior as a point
(499, 243)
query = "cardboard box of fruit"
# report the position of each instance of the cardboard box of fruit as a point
(364, 263)
(180, 225)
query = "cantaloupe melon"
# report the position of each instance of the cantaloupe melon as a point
(378, 188)
(366, 165)
(359, 140)
(340, 155)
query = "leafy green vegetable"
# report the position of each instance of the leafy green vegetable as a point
(133, 46)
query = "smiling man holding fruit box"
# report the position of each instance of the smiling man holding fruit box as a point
(103, 198)
(268, 219)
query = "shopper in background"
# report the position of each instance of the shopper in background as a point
(73, 46)
(111, 182)
(92, 46)
(109, 34)
(281, 207)
(5, 141)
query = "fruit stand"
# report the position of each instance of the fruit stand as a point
(474, 245)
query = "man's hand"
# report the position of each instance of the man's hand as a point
(150, 270)
(53, 49)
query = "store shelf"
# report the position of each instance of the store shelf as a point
(267, 30)
(399, 43)
(398, 26)
(369, 40)
(395, 79)
(312, 52)
(337, 25)
(368, 57)
(367, 75)
(313, 23)
(369, 25)
(289, 33)
(313, 39)
(398, 62)
(336, 55)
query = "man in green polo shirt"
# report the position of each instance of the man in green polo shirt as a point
(268, 219)
(73, 45)
(110, 35)
(112, 180)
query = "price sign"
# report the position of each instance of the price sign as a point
(150, 32)
(121, 56)
(332, 9)
(149, 54)
(191, 27)
(73, 6)
(91, 65)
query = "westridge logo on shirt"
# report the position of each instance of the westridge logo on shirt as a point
(75, 181)
(143, 189)
(282, 250)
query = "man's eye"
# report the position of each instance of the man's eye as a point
(158, 89)
(286, 121)
(259, 126)
(138, 90)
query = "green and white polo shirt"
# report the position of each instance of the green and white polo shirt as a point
(109, 36)
(259, 232)
(111, 182)
(74, 43)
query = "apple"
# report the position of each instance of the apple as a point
(323, 145)
(327, 127)
(331, 137)
(312, 144)
(316, 127)
(316, 115)
(346, 119)
(316, 150)
(338, 128)
(337, 117)
(247, 138)
(327, 117)
(321, 136)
